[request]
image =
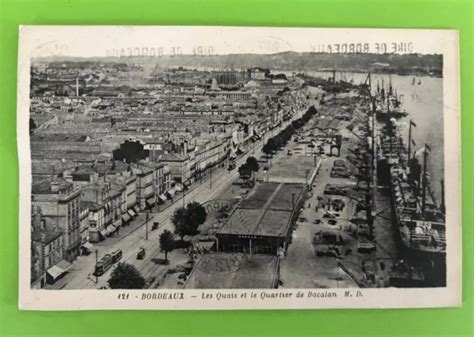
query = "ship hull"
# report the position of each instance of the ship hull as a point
(431, 263)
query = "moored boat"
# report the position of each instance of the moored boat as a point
(419, 219)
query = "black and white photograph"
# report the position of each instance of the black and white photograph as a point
(224, 167)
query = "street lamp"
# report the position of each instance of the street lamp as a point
(146, 224)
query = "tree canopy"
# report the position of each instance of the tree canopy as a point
(244, 171)
(252, 164)
(196, 212)
(131, 151)
(187, 220)
(166, 242)
(126, 276)
(277, 142)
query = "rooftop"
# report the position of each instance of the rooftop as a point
(52, 185)
(45, 236)
(234, 271)
(92, 206)
(173, 157)
(267, 211)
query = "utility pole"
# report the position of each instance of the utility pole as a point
(146, 224)
(314, 155)
(96, 261)
(184, 196)
(210, 177)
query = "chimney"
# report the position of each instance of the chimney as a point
(54, 187)
(185, 147)
(77, 86)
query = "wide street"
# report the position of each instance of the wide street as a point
(131, 239)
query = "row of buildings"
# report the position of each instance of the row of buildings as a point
(80, 207)
(109, 140)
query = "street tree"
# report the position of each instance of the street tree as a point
(244, 171)
(266, 149)
(279, 142)
(252, 164)
(126, 276)
(166, 242)
(181, 223)
(196, 212)
(187, 220)
(273, 143)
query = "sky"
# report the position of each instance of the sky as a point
(99, 41)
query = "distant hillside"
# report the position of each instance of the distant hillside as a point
(390, 63)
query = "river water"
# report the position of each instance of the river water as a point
(424, 104)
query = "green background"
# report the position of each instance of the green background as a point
(348, 13)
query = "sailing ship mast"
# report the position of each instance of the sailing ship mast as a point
(425, 180)
(409, 139)
(390, 89)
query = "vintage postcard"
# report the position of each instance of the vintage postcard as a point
(238, 168)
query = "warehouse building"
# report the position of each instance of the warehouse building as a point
(262, 223)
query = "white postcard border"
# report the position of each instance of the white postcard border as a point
(445, 42)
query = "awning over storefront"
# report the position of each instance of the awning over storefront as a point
(88, 246)
(58, 270)
(103, 233)
(136, 208)
(131, 212)
(150, 202)
(54, 273)
(110, 229)
(179, 187)
(171, 191)
(117, 223)
(126, 217)
(163, 197)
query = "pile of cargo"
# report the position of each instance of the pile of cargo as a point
(340, 170)
(337, 189)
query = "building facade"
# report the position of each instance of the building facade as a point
(60, 205)
(145, 187)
